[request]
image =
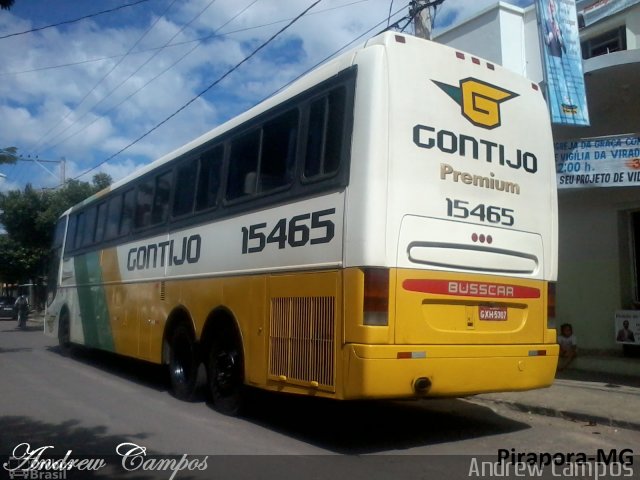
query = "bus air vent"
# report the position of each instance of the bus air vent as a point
(301, 345)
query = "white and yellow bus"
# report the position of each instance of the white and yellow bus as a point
(386, 227)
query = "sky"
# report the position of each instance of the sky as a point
(85, 90)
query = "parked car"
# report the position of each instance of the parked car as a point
(7, 309)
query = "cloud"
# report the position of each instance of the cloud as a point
(66, 111)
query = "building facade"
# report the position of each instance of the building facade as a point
(599, 222)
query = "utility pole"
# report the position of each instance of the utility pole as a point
(40, 162)
(421, 18)
(420, 11)
(63, 171)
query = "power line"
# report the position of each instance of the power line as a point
(102, 79)
(377, 25)
(150, 80)
(209, 87)
(176, 44)
(66, 22)
(140, 67)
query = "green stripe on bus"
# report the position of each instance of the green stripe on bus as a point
(93, 302)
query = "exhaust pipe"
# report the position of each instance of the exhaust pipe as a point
(422, 385)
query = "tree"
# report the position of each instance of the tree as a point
(29, 217)
(9, 154)
(6, 4)
(101, 181)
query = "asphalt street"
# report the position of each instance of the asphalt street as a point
(92, 402)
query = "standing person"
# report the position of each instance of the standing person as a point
(22, 306)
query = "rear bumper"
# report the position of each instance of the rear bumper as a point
(375, 371)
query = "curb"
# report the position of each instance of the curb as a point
(567, 415)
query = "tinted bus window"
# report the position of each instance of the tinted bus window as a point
(101, 221)
(243, 165)
(209, 179)
(127, 212)
(113, 217)
(89, 227)
(161, 198)
(80, 227)
(279, 139)
(144, 201)
(186, 176)
(325, 135)
(335, 131)
(71, 233)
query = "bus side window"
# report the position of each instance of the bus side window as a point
(101, 221)
(278, 154)
(80, 227)
(89, 227)
(127, 212)
(325, 134)
(186, 176)
(209, 179)
(243, 165)
(71, 234)
(161, 198)
(144, 201)
(113, 217)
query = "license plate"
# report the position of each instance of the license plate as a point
(7, 309)
(495, 314)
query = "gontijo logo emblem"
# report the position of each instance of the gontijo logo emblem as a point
(480, 101)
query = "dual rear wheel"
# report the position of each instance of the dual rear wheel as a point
(224, 365)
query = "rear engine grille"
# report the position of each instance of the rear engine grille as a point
(301, 340)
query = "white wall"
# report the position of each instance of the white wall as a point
(532, 46)
(512, 40)
(594, 278)
(479, 36)
(633, 28)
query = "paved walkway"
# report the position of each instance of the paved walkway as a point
(577, 395)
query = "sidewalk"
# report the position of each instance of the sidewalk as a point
(582, 396)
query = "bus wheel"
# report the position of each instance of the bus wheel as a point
(64, 333)
(225, 375)
(183, 363)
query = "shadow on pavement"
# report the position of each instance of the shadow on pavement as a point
(84, 442)
(364, 427)
(143, 373)
(354, 427)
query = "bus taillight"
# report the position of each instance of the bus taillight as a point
(376, 296)
(551, 301)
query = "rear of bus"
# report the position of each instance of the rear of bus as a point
(451, 227)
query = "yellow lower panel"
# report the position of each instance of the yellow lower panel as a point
(374, 371)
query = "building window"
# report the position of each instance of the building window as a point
(612, 41)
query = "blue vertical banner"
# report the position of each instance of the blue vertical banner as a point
(562, 59)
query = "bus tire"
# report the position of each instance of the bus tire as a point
(183, 363)
(64, 333)
(225, 374)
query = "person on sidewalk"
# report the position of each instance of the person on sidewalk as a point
(568, 346)
(22, 306)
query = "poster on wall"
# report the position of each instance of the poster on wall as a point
(627, 323)
(562, 60)
(598, 162)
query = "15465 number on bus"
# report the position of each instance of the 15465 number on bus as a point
(308, 228)
(484, 213)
